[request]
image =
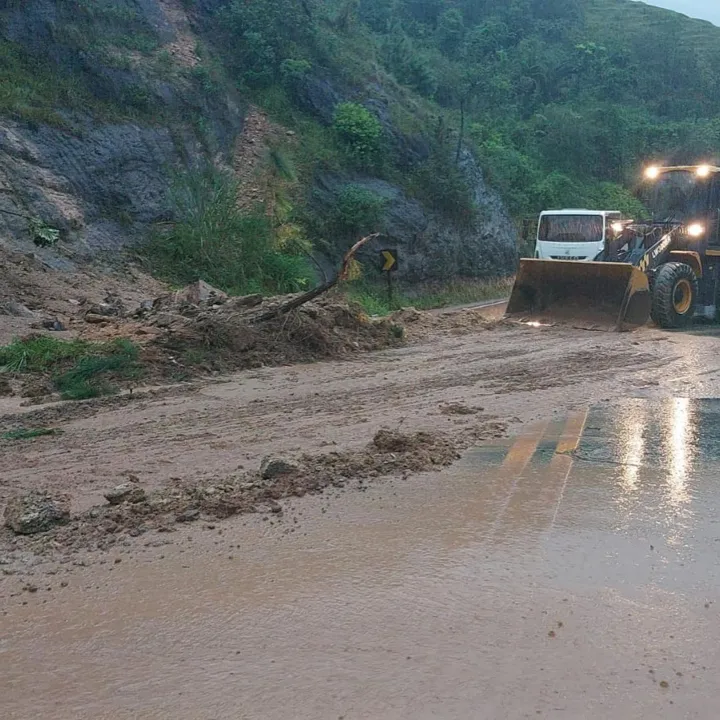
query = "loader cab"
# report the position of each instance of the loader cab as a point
(574, 234)
(686, 196)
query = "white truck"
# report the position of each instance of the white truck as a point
(575, 234)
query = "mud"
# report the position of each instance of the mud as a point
(132, 512)
(569, 571)
(454, 386)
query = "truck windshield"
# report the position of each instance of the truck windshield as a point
(571, 228)
(677, 196)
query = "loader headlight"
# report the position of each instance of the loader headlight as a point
(703, 171)
(652, 173)
(696, 230)
(617, 228)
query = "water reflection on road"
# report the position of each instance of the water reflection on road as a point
(569, 572)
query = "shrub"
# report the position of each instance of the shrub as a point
(357, 211)
(358, 129)
(214, 241)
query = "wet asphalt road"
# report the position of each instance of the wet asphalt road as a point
(571, 572)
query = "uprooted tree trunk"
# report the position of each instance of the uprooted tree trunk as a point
(321, 289)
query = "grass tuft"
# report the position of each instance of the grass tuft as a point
(79, 369)
(374, 300)
(28, 433)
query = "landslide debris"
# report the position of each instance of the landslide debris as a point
(229, 334)
(131, 511)
(200, 330)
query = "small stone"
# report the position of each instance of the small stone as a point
(54, 326)
(189, 515)
(273, 468)
(104, 309)
(16, 309)
(30, 588)
(664, 684)
(127, 492)
(200, 292)
(37, 512)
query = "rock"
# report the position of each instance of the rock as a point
(37, 512)
(127, 492)
(165, 320)
(200, 292)
(96, 319)
(54, 325)
(189, 515)
(16, 309)
(273, 468)
(247, 301)
(104, 309)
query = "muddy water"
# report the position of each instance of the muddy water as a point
(572, 572)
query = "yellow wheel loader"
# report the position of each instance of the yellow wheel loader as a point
(666, 268)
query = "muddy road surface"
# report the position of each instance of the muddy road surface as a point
(567, 569)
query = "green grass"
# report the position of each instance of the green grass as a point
(39, 354)
(214, 241)
(30, 89)
(373, 297)
(88, 378)
(79, 370)
(28, 433)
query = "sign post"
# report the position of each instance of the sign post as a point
(390, 267)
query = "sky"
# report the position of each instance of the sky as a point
(703, 9)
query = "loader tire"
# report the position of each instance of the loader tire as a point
(674, 293)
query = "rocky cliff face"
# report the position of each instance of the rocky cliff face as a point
(99, 175)
(102, 176)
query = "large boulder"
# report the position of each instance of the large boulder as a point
(37, 512)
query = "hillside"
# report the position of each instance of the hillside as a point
(251, 141)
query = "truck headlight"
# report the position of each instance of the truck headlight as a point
(617, 228)
(696, 230)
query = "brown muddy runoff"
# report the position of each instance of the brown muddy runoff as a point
(571, 571)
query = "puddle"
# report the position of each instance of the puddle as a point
(569, 572)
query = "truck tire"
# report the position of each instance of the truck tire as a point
(674, 294)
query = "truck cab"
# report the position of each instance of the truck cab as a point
(574, 234)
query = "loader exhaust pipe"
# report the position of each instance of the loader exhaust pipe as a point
(589, 294)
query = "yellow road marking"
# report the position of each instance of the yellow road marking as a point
(572, 433)
(522, 451)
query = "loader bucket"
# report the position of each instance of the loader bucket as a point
(590, 294)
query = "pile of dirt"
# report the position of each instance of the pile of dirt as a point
(133, 512)
(456, 322)
(35, 297)
(199, 331)
(220, 334)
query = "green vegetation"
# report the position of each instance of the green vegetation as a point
(32, 90)
(213, 240)
(560, 99)
(373, 296)
(359, 130)
(78, 369)
(28, 433)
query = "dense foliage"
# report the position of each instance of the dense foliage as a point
(561, 99)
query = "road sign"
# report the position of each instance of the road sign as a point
(391, 260)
